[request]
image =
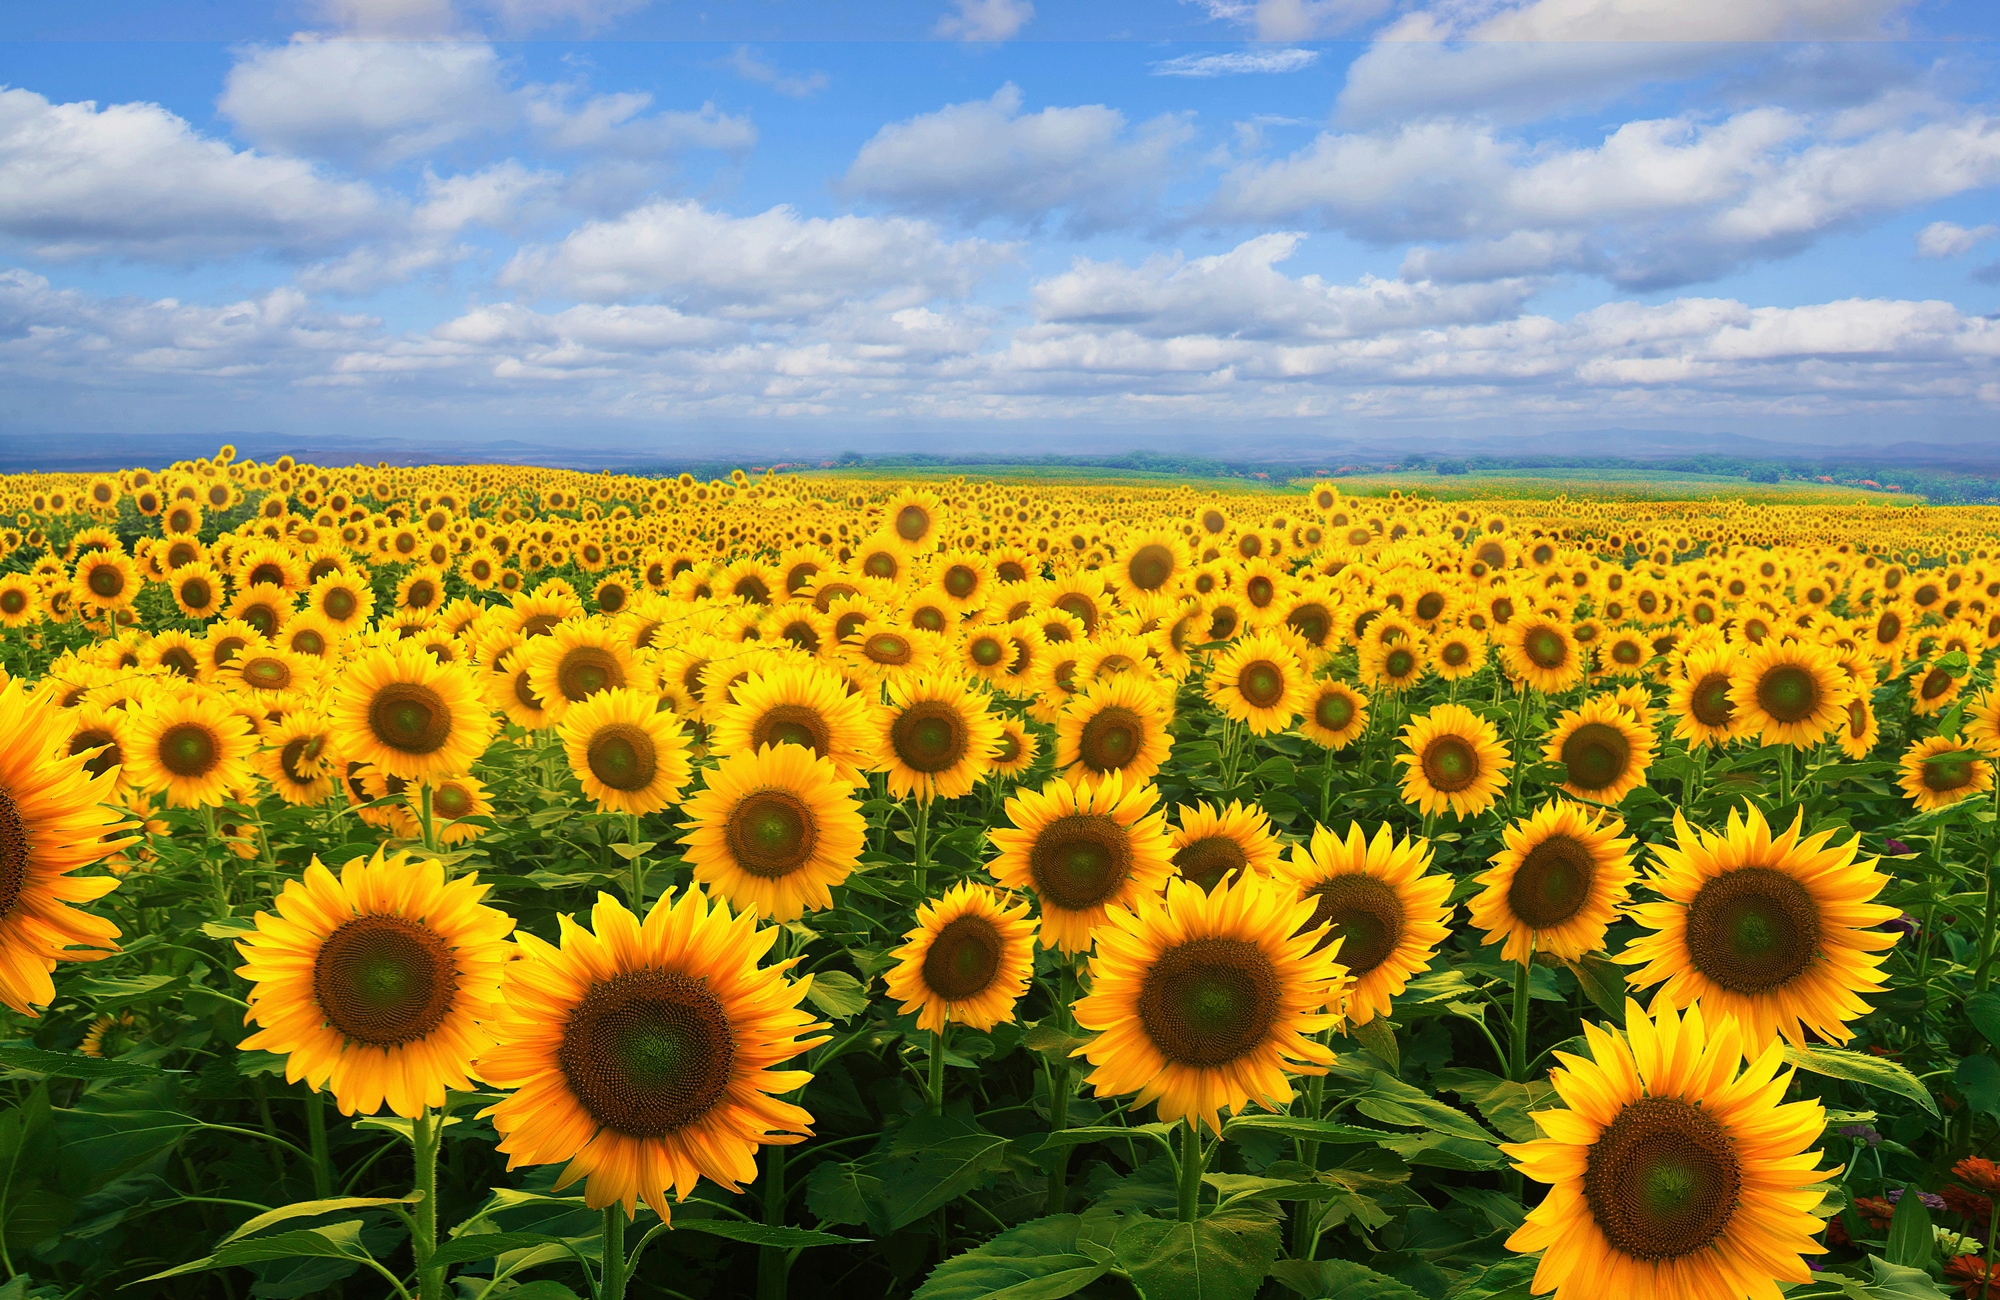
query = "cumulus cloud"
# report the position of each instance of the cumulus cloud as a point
(618, 124)
(1235, 62)
(1949, 239)
(134, 180)
(776, 263)
(987, 159)
(745, 63)
(986, 20)
(1656, 203)
(1531, 55)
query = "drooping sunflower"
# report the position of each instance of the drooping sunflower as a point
(1119, 724)
(1558, 884)
(799, 704)
(1205, 1001)
(1016, 750)
(55, 817)
(774, 831)
(401, 710)
(1773, 932)
(1540, 652)
(967, 961)
(1380, 900)
(374, 983)
(1604, 752)
(575, 661)
(630, 754)
(1258, 681)
(1704, 711)
(1455, 761)
(935, 738)
(194, 749)
(1674, 1170)
(642, 1053)
(1789, 693)
(1939, 771)
(1335, 714)
(1212, 845)
(1080, 849)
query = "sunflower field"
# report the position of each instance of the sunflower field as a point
(513, 884)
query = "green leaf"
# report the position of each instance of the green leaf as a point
(306, 1209)
(1505, 1104)
(1071, 1137)
(333, 1241)
(933, 1161)
(107, 991)
(1051, 1041)
(1507, 1279)
(99, 1146)
(1225, 1256)
(1978, 1078)
(846, 1193)
(762, 1234)
(837, 994)
(30, 1213)
(1339, 1279)
(25, 1058)
(1392, 1101)
(1893, 1282)
(229, 927)
(1447, 1151)
(1306, 1130)
(485, 1245)
(1603, 982)
(1044, 1259)
(1983, 1010)
(1379, 1037)
(1858, 1067)
(1910, 1241)
(631, 851)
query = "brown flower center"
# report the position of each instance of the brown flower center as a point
(585, 670)
(14, 854)
(1709, 701)
(930, 736)
(963, 958)
(1788, 692)
(1210, 860)
(409, 717)
(622, 755)
(1112, 738)
(1080, 860)
(1261, 682)
(1662, 1180)
(1365, 915)
(771, 833)
(792, 724)
(1450, 764)
(1206, 1002)
(648, 1052)
(1150, 566)
(1597, 756)
(1334, 710)
(1553, 882)
(189, 749)
(1753, 929)
(385, 980)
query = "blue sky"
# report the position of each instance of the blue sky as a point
(964, 224)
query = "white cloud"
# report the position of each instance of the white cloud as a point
(394, 18)
(986, 20)
(745, 64)
(530, 15)
(1949, 239)
(617, 124)
(1236, 61)
(1305, 20)
(370, 102)
(773, 264)
(134, 180)
(986, 159)
(1528, 56)
(1660, 202)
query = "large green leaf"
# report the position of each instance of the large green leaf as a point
(22, 1056)
(762, 1234)
(1858, 1067)
(1070, 1137)
(846, 1193)
(307, 1209)
(1225, 1256)
(1505, 1104)
(1508, 1279)
(838, 995)
(1044, 1259)
(1911, 1243)
(1447, 1151)
(332, 1241)
(31, 1211)
(1305, 1130)
(100, 1145)
(1340, 1279)
(1983, 1010)
(485, 1245)
(1978, 1080)
(933, 1161)
(1392, 1101)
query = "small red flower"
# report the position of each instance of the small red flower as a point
(1970, 1206)
(1969, 1273)
(1874, 1211)
(1979, 1173)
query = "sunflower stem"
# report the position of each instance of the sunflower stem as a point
(1304, 1213)
(921, 843)
(1191, 1169)
(425, 1131)
(1784, 776)
(611, 1286)
(424, 814)
(1983, 973)
(638, 866)
(772, 1263)
(1058, 1191)
(937, 1071)
(322, 1162)
(1523, 980)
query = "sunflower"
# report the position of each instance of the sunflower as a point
(1704, 711)
(266, 673)
(404, 712)
(298, 759)
(55, 816)
(914, 516)
(774, 831)
(641, 1053)
(1939, 771)
(20, 601)
(1152, 561)
(1393, 665)
(630, 754)
(1377, 898)
(1789, 693)
(1982, 722)
(1541, 652)
(1623, 654)
(345, 600)
(799, 704)
(1204, 1001)
(453, 800)
(194, 749)
(98, 735)
(1557, 885)
(1118, 725)
(575, 661)
(375, 983)
(509, 690)
(1604, 752)
(1016, 750)
(935, 739)
(1773, 932)
(106, 581)
(967, 960)
(1211, 845)
(1335, 713)
(884, 652)
(1673, 1171)
(1455, 761)
(1933, 689)
(1457, 653)
(1861, 729)
(1258, 681)
(1080, 849)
